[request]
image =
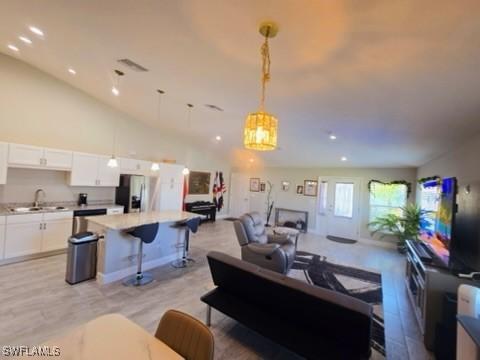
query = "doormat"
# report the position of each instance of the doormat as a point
(341, 240)
(358, 283)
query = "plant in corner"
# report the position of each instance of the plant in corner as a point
(403, 227)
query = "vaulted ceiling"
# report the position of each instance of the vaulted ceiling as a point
(396, 81)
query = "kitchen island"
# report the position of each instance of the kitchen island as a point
(117, 250)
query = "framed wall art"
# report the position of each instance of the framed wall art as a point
(199, 183)
(310, 187)
(255, 184)
(300, 189)
(285, 185)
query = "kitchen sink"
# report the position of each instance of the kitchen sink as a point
(36, 208)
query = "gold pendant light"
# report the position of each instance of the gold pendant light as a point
(261, 127)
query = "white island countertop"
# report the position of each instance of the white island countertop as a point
(131, 220)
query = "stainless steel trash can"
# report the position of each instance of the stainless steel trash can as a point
(81, 257)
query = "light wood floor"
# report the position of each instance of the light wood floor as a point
(36, 304)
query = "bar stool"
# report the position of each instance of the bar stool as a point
(146, 234)
(189, 225)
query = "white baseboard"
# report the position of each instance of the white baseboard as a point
(103, 279)
(382, 243)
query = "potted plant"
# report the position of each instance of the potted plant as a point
(404, 227)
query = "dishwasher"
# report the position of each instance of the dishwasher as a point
(80, 224)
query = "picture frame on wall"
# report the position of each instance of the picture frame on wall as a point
(300, 189)
(199, 183)
(285, 185)
(262, 187)
(255, 184)
(310, 187)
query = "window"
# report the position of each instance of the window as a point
(343, 200)
(387, 199)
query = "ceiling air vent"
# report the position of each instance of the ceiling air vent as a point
(132, 65)
(214, 107)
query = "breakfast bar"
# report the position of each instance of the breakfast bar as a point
(117, 250)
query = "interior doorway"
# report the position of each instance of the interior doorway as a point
(239, 194)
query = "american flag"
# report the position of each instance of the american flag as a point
(219, 189)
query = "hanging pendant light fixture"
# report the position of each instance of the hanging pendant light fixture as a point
(156, 166)
(116, 87)
(113, 162)
(260, 132)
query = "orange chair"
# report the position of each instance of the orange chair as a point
(186, 335)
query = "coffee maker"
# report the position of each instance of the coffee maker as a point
(82, 199)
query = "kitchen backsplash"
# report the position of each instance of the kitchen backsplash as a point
(22, 184)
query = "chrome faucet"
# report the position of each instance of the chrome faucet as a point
(37, 203)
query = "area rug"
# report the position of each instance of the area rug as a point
(341, 239)
(358, 283)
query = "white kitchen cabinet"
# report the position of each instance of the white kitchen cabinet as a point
(84, 170)
(106, 175)
(169, 188)
(92, 170)
(135, 167)
(23, 239)
(171, 173)
(25, 155)
(2, 237)
(34, 233)
(58, 159)
(3, 162)
(28, 156)
(56, 233)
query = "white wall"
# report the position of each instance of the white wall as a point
(37, 109)
(462, 162)
(22, 184)
(296, 176)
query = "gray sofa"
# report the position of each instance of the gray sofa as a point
(273, 252)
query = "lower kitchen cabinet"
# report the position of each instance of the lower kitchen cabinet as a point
(56, 234)
(2, 241)
(23, 239)
(34, 233)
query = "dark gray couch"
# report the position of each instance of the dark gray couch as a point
(313, 322)
(274, 252)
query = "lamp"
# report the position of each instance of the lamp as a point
(260, 132)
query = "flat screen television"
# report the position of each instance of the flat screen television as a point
(466, 244)
(440, 239)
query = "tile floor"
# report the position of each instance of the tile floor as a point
(36, 304)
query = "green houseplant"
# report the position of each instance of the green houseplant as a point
(403, 227)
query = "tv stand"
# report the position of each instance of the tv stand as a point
(427, 282)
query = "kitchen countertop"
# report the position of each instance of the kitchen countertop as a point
(131, 220)
(5, 208)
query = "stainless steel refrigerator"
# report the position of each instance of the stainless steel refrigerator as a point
(133, 193)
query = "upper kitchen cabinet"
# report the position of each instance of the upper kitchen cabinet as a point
(135, 167)
(92, 170)
(3, 162)
(84, 170)
(106, 175)
(28, 156)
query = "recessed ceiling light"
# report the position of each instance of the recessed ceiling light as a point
(115, 91)
(332, 137)
(343, 158)
(72, 71)
(36, 30)
(25, 39)
(12, 47)
(218, 138)
(251, 160)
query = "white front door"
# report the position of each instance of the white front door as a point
(239, 194)
(338, 210)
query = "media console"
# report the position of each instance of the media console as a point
(427, 281)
